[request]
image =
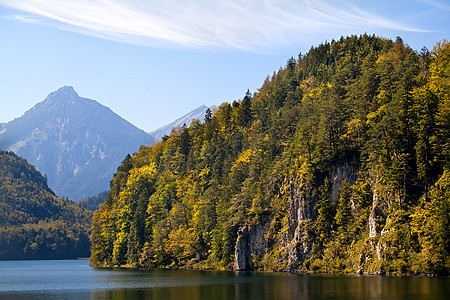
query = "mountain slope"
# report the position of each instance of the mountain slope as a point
(340, 162)
(76, 142)
(93, 202)
(34, 223)
(198, 113)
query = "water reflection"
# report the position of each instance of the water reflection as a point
(76, 280)
(198, 285)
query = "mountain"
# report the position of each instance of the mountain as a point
(339, 163)
(34, 223)
(198, 113)
(76, 142)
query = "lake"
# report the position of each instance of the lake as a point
(75, 279)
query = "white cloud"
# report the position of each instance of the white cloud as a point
(250, 25)
(23, 18)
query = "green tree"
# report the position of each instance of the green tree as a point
(344, 215)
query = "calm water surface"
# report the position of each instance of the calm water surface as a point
(74, 279)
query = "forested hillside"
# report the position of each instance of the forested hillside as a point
(34, 223)
(339, 162)
(93, 202)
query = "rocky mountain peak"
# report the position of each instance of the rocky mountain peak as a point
(198, 113)
(77, 142)
(64, 95)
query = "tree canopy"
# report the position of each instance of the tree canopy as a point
(34, 222)
(341, 159)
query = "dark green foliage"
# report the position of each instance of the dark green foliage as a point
(341, 158)
(344, 217)
(324, 224)
(34, 223)
(93, 202)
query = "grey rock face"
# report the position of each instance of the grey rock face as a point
(250, 244)
(340, 173)
(294, 240)
(241, 254)
(76, 142)
(373, 228)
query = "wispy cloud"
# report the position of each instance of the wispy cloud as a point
(436, 4)
(248, 25)
(23, 18)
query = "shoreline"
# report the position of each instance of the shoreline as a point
(307, 272)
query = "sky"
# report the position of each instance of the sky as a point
(152, 61)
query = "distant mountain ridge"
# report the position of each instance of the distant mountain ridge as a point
(198, 113)
(76, 142)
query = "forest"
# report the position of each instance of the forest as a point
(338, 163)
(34, 222)
(93, 202)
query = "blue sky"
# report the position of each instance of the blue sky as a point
(153, 61)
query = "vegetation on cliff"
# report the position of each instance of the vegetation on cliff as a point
(339, 162)
(34, 223)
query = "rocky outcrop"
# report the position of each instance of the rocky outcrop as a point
(241, 254)
(340, 172)
(294, 241)
(375, 247)
(250, 245)
(373, 227)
